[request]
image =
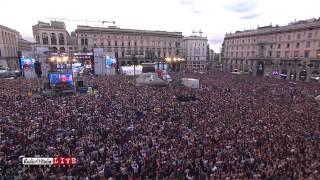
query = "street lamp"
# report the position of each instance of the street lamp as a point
(134, 64)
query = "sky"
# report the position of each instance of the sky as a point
(214, 18)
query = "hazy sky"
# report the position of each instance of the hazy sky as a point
(213, 17)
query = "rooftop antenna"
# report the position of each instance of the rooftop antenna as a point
(193, 32)
(200, 32)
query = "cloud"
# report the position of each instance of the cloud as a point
(242, 6)
(186, 2)
(218, 40)
(250, 16)
(192, 6)
(195, 10)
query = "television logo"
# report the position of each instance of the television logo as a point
(56, 161)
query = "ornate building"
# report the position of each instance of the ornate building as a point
(146, 45)
(195, 52)
(288, 52)
(9, 47)
(54, 36)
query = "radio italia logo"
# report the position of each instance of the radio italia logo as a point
(56, 161)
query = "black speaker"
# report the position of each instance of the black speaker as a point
(79, 83)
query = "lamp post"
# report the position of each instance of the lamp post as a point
(134, 64)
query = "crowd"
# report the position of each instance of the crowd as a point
(239, 127)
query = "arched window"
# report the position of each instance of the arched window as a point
(61, 39)
(86, 41)
(53, 39)
(82, 41)
(38, 39)
(62, 49)
(55, 49)
(45, 39)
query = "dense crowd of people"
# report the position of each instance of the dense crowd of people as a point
(240, 127)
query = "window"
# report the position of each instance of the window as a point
(101, 44)
(122, 54)
(308, 44)
(306, 54)
(318, 53)
(53, 39)
(296, 54)
(86, 41)
(122, 44)
(299, 36)
(297, 45)
(61, 39)
(289, 37)
(278, 54)
(309, 35)
(129, 43)
(279, 46)
(135, 43)
(248, 54)
(241, 54)
(45, 39)
(236, 54)
(116, 43)
(271, 46)
(252, 53)
(288, 45)
(280, 38)
(286, 54)
(38, 39)
(270, 53)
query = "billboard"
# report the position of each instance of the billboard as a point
(98, 60)
(27, 62)
(61, 78)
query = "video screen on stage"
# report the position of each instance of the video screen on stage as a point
(27, 62)
(110, 61)
(61, 78)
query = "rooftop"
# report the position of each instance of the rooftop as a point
(296, 25)
(116, 29)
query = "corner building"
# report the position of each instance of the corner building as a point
(289, 52)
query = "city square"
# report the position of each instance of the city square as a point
(89, 92)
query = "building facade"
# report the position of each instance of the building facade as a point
(9, 47)
(24, 45)
(53, 36)
(288, 52)
(194, 50)
(147, 46)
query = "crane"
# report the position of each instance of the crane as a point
(79, 20)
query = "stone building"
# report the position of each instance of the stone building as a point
(195, 52)
(288, 52)
(146, 45)
(54, 36)
(9, 47)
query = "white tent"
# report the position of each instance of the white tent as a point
(150, 79)
(317, 98)
(189, 82)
